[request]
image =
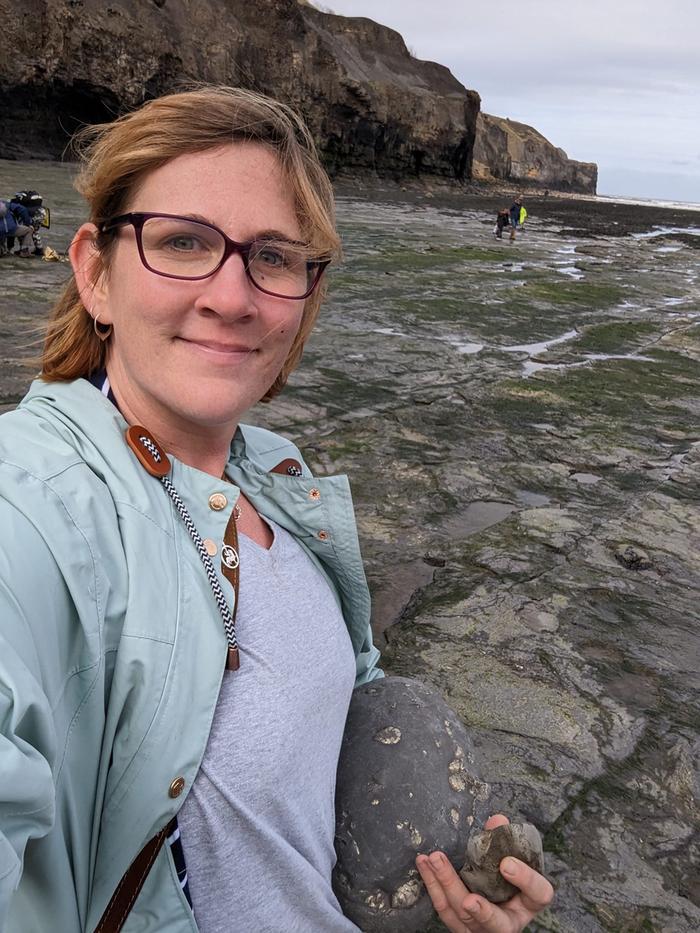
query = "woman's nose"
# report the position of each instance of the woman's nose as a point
(229, 291)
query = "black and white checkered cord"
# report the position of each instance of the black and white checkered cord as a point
(224, 610)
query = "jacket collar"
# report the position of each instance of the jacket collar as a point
(79, 409)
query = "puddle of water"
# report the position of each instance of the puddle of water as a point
(534, 348)
(674, 301)
(477, 517)
(572, 271)
(586, 479)
(468, 348)
(664, 231)
(530, 367)
(620, 356)
(391, 597)
(388, 332)
(533, 500)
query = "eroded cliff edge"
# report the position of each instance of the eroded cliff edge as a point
(372, 106)
(509, 151)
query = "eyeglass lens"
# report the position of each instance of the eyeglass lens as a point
(188, 249)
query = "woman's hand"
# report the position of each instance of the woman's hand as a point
(464, 912)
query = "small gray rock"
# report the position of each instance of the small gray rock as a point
(485, 851)
(632, 557)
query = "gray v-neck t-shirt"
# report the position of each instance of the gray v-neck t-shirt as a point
(258, 825)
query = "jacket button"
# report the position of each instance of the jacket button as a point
(314, 494)
(322, 535)
(177, 787)
(209, 547)
(218, 501)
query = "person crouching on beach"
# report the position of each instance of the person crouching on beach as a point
(502, 221)
(183, 608)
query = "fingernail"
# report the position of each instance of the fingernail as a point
(509, 866)
(474, 909)
(437, 858)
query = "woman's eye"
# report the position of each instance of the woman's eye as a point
(271, 257)
(183, 242)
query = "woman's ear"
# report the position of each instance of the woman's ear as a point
(88, 271)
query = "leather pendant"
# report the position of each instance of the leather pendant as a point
(230, 567)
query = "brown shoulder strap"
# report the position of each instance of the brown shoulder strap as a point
(129, 887)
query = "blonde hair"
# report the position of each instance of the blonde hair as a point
(117, 157)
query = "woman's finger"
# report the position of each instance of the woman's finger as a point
(498, 819)
(536, 892)
(456, 920)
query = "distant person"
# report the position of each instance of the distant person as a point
(4, 224)
(502, 221)
(38, 214)
(16, 222)
(514, 216)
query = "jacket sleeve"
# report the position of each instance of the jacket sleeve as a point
(27, 734)
(367, 662)
(21, 214)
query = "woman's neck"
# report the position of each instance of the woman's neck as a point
(204, 447)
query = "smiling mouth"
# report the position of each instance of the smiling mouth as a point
(216, 348)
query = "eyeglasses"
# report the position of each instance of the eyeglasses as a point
(180, 248)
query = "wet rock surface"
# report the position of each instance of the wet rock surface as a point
(466, 386)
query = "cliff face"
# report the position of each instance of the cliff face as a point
(370, 104)
(509, 151)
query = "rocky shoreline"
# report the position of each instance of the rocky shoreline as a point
(520, 426)
(584, 215)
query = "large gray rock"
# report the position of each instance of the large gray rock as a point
(407, 784)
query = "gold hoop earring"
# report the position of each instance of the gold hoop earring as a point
(103, 331)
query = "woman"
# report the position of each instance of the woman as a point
(183, 611)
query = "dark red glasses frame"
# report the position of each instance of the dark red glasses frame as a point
(315, 267)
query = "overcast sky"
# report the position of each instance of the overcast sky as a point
(615, 82)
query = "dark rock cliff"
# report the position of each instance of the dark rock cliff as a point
(371, 105)
(508, 151)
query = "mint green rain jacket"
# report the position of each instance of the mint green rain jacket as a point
(112, 649)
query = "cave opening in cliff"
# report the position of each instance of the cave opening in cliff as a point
(40, 120)
(80, 104)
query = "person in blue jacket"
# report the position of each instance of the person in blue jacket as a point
(15, 222)
(515, 215)
(183, 608)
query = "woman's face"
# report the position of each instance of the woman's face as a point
(198, 354)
